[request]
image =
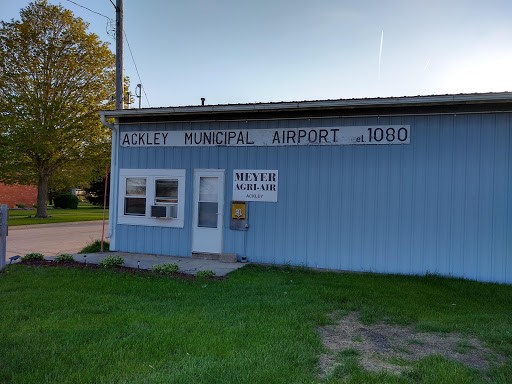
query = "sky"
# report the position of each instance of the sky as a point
(241, 51)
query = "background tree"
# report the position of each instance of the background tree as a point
(96, 191)
(54, 77)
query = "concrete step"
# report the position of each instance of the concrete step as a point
(223, 257)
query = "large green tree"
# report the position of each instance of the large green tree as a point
(54, 77)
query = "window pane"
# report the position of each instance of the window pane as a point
(174, 211)
(136, 186)
(207, 215)
(167, 189)
(134, 206)
(208, 188)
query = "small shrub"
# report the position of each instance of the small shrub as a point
(166, 268)
(95, 247)
(33, 256)
(64, 258)
(21, 206)
(206, 274)
(66, 201)
(111, 262)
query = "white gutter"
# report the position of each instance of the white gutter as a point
(113, 180)
(103, 118)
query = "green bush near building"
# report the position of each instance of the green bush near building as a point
(66, 201)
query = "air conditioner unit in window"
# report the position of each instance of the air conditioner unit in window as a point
(161, 211)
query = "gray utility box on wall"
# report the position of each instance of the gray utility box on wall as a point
(239, 216)
(3, 234)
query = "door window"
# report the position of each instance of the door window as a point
(208, 204)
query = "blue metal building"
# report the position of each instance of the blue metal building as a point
(409, 185)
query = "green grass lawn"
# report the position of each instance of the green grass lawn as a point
(259, 325)
(85, 212)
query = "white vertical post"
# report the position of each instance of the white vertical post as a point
(3, 235)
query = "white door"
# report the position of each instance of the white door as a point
(207, 223)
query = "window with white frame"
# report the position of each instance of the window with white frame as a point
(141, 189)
(135, 196)
(166, 193)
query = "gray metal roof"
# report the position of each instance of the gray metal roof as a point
(455, 99)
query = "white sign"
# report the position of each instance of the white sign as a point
(255, 185)
(355, 135)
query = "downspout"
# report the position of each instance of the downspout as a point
(112, 221)
(105, 123)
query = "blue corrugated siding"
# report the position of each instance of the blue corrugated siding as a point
(441, 204)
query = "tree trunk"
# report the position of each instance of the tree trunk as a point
(42, 194)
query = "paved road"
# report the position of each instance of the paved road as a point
(52, 239)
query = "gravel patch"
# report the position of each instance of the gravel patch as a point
(393, 348)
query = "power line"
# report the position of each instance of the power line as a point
(110, 28)
(127, 42)
(136, 69)
(90, 10)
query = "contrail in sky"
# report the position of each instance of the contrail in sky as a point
(426, 65)
(380, 51)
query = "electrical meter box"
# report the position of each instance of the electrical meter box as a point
(239, 216)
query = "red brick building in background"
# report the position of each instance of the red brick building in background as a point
(18, 194)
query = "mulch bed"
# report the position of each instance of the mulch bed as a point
(90, 266)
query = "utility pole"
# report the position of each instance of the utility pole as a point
(119, 55)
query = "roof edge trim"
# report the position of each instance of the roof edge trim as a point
(473, 98)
